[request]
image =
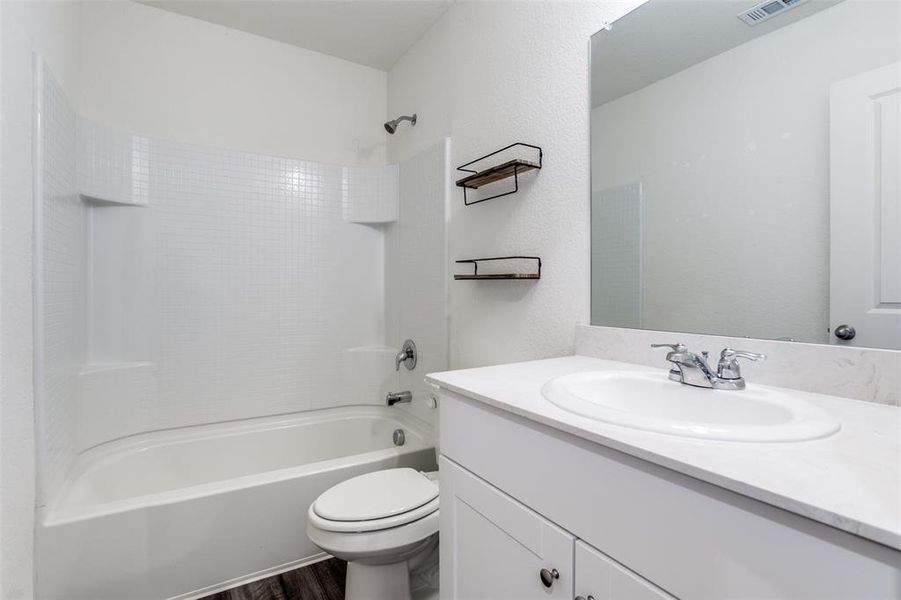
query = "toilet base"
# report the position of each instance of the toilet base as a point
(377, 582)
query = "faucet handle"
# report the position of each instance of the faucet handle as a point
(407, 356)
(728, 367)
(677, 347)
(676, 350)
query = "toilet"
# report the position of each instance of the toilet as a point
(385, 525)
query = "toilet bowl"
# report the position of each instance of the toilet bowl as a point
(385, 525)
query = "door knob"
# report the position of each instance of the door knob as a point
(548, 576)
(845, 332)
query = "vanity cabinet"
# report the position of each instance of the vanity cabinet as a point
(518, 497)
(500, 549)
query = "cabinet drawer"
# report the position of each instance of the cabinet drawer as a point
(600, 578)
(494, 548)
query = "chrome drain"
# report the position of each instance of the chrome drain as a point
(399, 437)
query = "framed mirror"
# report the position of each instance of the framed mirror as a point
(745, 165)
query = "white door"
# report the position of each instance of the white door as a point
(494, 548)
(865, 143)
(601, 578)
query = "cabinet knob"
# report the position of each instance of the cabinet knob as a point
(584, 598)
(548, 576)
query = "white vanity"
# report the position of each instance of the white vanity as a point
(538, 501)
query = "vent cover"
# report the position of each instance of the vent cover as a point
(765, 10)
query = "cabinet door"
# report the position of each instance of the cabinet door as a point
(601, 578)
(494, 548)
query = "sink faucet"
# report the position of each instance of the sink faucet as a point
(692, 369)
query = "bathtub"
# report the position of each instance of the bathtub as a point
(187, 512)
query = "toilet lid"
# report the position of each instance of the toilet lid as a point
(376, 495)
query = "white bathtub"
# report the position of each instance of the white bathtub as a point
(187, 512)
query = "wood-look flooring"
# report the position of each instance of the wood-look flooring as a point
(320, 581)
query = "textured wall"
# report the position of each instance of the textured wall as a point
(488, 74)
(733, 158)
(169, 76)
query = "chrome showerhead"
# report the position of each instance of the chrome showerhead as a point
(391, 126)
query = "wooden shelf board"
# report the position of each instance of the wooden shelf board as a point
(497, 173)
(498, 276)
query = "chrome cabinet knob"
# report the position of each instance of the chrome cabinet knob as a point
(548, 576)
(845, 332)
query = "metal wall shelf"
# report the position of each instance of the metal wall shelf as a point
(475, 275)
(494, 173)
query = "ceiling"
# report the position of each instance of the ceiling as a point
(661, 38)
(375, 33)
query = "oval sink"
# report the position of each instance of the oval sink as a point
(652, 402)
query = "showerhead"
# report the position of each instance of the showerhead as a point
(391, 126)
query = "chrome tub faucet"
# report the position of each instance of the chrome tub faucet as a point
(398, 398)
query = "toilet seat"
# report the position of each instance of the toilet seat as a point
(375, 501)
(376, 547)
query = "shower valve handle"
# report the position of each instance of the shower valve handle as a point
(407, 356)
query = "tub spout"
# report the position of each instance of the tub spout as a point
(399, 398)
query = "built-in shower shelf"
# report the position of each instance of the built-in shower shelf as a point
(492, 173)
(98, 200)
(476, 276)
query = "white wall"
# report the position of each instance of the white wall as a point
(420, 83)
(51, 29)
(733, 159)
(156, 73)
(489, 74)
(61, 285)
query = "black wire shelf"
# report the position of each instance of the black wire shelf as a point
(498, 172)
(476, 276)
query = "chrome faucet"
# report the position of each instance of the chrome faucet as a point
(398, 398)
(407, 356)
(692, 369)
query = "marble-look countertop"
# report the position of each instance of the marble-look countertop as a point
(850, 480)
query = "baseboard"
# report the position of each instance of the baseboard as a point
(245, 579)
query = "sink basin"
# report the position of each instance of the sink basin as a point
(652, 402)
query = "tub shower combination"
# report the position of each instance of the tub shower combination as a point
(183, 296)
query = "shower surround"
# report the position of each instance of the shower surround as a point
(179, 285)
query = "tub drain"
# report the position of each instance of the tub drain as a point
(399, 437)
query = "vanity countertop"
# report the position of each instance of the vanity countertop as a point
(850, 480)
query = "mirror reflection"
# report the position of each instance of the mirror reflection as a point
(745, 170)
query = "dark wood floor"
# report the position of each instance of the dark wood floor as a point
(320, 581)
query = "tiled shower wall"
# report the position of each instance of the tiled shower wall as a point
(201, 285)
(239, 283)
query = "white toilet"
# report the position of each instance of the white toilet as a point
(385, 525)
